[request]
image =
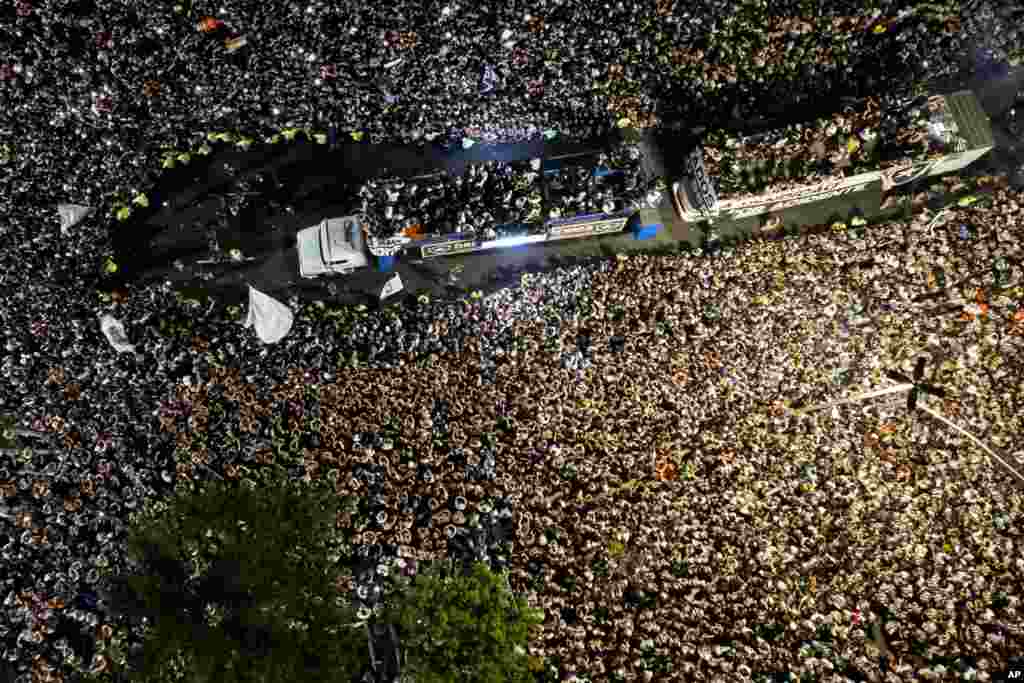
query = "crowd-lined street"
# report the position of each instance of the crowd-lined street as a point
(652, 434)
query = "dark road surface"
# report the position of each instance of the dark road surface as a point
(295, 186)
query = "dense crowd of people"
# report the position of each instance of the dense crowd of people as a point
(504, 199)
(617, 439)
(997, 24)
(122, 87)
(589, 462)
(486, 196)
(411, 72)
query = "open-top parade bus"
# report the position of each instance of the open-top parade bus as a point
(875, 144)
(537, 201)
(493, 205)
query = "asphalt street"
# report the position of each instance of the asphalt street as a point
(291, 187)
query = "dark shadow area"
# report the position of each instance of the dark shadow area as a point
(878, 68)
(257, 199)
(668, 148)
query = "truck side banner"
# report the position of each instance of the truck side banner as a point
(560, 229)
(797, 201)
(448, 248)
(598, 227)
(774, 201)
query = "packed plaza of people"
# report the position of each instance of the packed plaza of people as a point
(676, 506)
(616, 439)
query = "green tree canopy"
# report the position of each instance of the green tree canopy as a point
(463, 626)
(239, 584)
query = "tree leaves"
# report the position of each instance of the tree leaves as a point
(259, 588)
(463, 626)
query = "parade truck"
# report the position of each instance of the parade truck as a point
(878, 143)
(542, 201)
(335, 246)
(493, 205)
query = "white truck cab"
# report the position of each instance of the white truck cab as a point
(334, 246)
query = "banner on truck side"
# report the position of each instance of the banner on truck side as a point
(598, 227)
(732, 209)
(448, 248)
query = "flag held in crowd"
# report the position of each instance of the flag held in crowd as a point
(392, 286)
(271, 318)
(113, 330)
(489, 81)
(71, 215)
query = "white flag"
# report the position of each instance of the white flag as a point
(392, 286)
(489, 81)
(71, 215)
(271, 318)
(113, 330)
(467, 143)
